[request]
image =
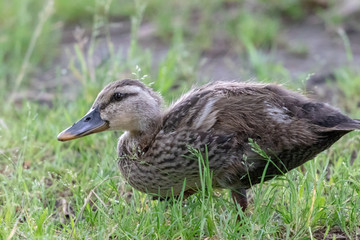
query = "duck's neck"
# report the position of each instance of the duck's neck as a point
(136, 142)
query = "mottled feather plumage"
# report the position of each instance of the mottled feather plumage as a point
(220, 117)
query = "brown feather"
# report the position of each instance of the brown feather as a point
(220, 117)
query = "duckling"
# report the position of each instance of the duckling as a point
(221, 118)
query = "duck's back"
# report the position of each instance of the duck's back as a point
(224, 116)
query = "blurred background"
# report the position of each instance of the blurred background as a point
(48, 45)
(56, 55)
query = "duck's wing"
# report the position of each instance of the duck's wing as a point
(194, 111)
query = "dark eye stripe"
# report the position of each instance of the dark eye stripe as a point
(121, 96)
(112, 100)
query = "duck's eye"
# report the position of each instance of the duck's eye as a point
(118, 96)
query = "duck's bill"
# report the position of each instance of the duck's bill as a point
(90, 123)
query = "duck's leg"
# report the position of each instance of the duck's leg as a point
(188, 193)
(239, 197)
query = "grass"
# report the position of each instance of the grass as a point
(73, 190)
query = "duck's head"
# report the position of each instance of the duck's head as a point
(122, 105)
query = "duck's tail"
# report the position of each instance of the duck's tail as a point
(349, 126)
(357, 122)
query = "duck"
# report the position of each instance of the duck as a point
(222, 120)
